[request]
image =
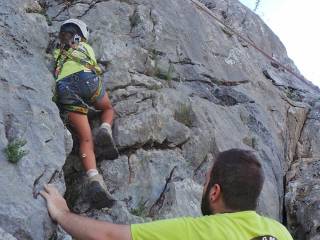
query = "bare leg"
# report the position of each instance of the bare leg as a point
(104, 139)
(104, 104)
(81, 125)
(100, 197)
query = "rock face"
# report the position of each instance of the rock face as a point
(6, 236)
(28, 115)
(184, 88)
(303, 187)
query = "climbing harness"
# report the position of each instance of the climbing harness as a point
(68, 54)
(205, 9)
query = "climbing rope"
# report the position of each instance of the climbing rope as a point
(205, 9)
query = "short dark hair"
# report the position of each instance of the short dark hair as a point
(240, 176)
(71, 28)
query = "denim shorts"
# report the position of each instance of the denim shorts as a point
(79, 91)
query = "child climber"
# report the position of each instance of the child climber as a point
(78, 87)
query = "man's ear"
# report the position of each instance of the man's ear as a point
(215, 193)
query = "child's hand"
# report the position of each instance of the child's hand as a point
(56, 73)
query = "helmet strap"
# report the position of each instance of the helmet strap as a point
(76, 39)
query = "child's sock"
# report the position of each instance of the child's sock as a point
(92, 172)
(105, 125)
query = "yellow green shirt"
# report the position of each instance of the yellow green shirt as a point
(70, 66)
(246, 225)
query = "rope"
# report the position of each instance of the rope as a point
(205, 9)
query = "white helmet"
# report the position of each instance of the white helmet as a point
(83, 27)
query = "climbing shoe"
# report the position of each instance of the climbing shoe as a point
(104, 142)
(98, 193)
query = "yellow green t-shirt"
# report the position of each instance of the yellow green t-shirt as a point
(70, 66)
(246, 225)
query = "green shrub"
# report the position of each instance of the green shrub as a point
(14, 151)
(140, 210)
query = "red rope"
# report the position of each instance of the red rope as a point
(204, 8)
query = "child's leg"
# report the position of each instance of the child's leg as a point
(100, 196)
(104, 104)
(81, 125)
(104, 138)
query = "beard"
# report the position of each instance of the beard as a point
(205, 204)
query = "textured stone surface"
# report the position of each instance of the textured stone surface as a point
(27, 113)
(6, 236)
(181, 199)
(184, 88)
(303, 189)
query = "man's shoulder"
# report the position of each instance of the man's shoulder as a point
(271, 221)
(251, 220)
(277, 227)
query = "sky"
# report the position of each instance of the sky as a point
(296, 23)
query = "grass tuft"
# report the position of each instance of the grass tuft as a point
(14, 151)
(183, 114)
(140, 210)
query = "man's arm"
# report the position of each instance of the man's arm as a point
(78, 226)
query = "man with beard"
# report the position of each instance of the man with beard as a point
(230, 196)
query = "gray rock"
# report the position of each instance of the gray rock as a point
(146, 175)
(62, 235)
(27, 114)
(151, 126)
(182, 199)
(6, 236)
(119, 214)
(302, 195)
(184, 88)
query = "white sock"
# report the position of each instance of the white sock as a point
(92, 172)
(105, 125)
